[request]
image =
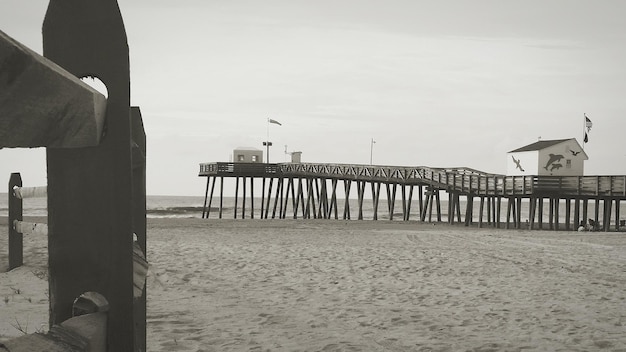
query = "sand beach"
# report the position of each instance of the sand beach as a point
(320, 285)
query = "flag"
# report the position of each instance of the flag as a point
(588, 123)
(586, 138)
(276, 122)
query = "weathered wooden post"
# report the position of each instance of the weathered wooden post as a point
(139, 217)
(16, 251)
(90, 189)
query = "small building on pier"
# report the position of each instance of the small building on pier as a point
(561, 157)
(247, 155)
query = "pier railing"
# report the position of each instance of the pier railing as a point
(458, 179)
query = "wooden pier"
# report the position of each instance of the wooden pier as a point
(311, 191)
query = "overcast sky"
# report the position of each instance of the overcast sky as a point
(434, 83)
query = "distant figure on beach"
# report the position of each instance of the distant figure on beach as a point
(582, 226)
(592, 225)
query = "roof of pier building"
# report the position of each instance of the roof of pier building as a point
(539, 145)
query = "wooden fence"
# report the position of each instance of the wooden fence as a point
(17, 227)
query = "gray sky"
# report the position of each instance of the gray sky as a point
(434, 83)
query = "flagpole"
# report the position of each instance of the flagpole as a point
(584, 126)
(267, 143)
(268, 140)
(584, 129)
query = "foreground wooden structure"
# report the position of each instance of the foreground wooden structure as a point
(95, 153)
(311, 191)
(63, 112)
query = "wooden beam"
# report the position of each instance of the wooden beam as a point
(480, 214)
(375, 199)
(251, 197)
(16, 241)
(437, 198)
(262, 196)
(138, 152)
(206, 196)
(222, 196)
(408, 206)
(568, 210)
(90, 197)
(450, 211)
(617, 210)
(285, 200)
(347, 184)
(43, 105)
(236, 197)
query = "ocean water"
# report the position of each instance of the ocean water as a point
(156, 206)
(192, 207)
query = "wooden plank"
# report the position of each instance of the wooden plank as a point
(42, 104)
(403, 195)
(392, 200)
(360, 186)
(577, 212)
(236, 197)
(480, 212)
(251, 197)
(617, 210)
(431, 196)
(498, 210)
(531, 212)
(568, 210)
(16, 241)
(206, 196)
(375, 195)
(508, 211)
(208, 212)
(518, 212)
(243, 197)
(281, 182)
(262, 196)
(277, 196)
(585, 210)
(309, 186)
(606, 214)
(540, 213)
(333, 201)
(312, 193)
(222, 196)
(347, 184)
(299, 200)
(90, 189)
(450, 208)
(596, 211)
(438, 205)
(139, 152)
(290, 186)
(469, 209)
(269, 197)
(409, 201)
(420, 199)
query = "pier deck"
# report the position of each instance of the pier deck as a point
(312, 181)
